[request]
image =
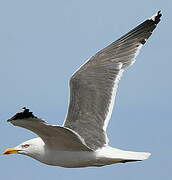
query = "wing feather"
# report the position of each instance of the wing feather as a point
(57, 137)
(93, 87)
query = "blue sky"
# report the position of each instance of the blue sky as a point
(43, 42)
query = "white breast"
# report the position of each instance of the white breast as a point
(69, 159)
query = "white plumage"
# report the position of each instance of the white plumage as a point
(82, 140)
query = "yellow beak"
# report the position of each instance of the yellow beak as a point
(10, 151)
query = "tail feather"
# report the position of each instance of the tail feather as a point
(133, 156)
(112, 155)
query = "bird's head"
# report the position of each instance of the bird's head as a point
(31, 148)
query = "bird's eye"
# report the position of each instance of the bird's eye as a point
(25, 146)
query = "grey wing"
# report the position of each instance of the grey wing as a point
(57, 137)
(94, 85)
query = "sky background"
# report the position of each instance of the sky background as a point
(43, 42)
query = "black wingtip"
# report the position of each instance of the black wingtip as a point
(157, 17)
(22, 114)
(151, 22)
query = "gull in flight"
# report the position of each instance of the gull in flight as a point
(82, 140)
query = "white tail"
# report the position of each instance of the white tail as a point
(130, 155)
(112, 155)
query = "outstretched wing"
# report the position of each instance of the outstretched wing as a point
(57, 137)
(93, 87)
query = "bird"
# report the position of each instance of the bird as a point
(82, 140)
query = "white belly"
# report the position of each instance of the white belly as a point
(70, 159)
(101, 157)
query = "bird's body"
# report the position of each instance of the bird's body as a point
(75, 159)
(82, 140)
